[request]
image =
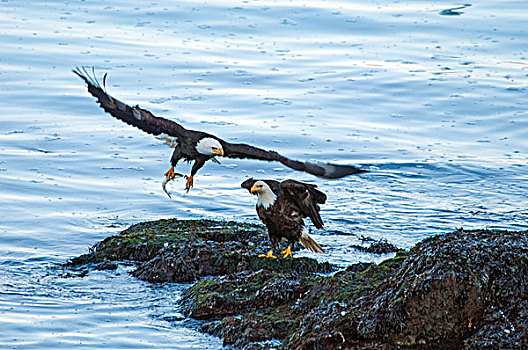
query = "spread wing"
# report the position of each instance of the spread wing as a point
(307, 197)
(324, 170)
(151, 124)
(136, 116)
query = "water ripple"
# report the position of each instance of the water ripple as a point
(430, 99)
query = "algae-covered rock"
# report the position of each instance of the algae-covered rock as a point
(241, 293)
(184, 251)
(461, 290)
(332, 316)
(295, 309)
(377, 247)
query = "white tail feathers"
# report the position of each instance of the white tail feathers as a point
(308, 242)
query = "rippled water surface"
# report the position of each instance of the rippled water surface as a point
(430, 96)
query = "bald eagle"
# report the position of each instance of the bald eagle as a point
(197, 146)
(281, 206)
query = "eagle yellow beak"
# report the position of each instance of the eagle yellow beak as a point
(219, 151)
(254, 189)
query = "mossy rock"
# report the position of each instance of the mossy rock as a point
(448, 290)
(241, 293)
(144, 241)
(249, 308)
(461, 290)
(465, 289)
(184, 251)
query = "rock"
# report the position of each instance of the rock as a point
(184, 251)
(461, 290)
(241, 293)
(449, 290)
(377, 247)
(330, 318)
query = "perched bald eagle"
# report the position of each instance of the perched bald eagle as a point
(197, 146)
(281, 206)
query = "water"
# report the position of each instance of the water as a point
(430, 96)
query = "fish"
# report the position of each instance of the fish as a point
(166, 180)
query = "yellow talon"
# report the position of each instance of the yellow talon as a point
(170, 174)
(189, 183)
(287, 252)
(269, 255)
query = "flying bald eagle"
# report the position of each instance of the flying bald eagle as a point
(281, 206)
(197, 146)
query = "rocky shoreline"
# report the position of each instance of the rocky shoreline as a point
(460, 290)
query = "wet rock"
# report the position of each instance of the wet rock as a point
(256, 330)
(449, 292)
(184, 251)
(331, 318)
(241, 293)
(106, 265)
(461, 290)
(378, 247)
(296, 309)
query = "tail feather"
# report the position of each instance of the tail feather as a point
(308, 242)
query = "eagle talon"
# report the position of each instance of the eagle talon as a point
(287, 252)
(269, 255)
(189, 183)
(170, 174)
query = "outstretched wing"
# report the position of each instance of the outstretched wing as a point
(151, 124)
(136, 116)
(324, 170)
(307, 197)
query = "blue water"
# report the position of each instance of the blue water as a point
(430, 96)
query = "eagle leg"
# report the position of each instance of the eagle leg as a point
(189, 183)
(287, 252)
(269, 255)
(170, 174)
(198, 163)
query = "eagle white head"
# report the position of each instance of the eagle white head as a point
(209, 147)
(266, 197)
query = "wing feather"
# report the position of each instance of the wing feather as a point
(135, 116)
(307, 197)
(324, 170)
(151, 124)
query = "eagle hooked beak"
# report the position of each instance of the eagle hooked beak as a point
(254, 189)
(218, 151)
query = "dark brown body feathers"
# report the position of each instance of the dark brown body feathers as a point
(295, 201)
